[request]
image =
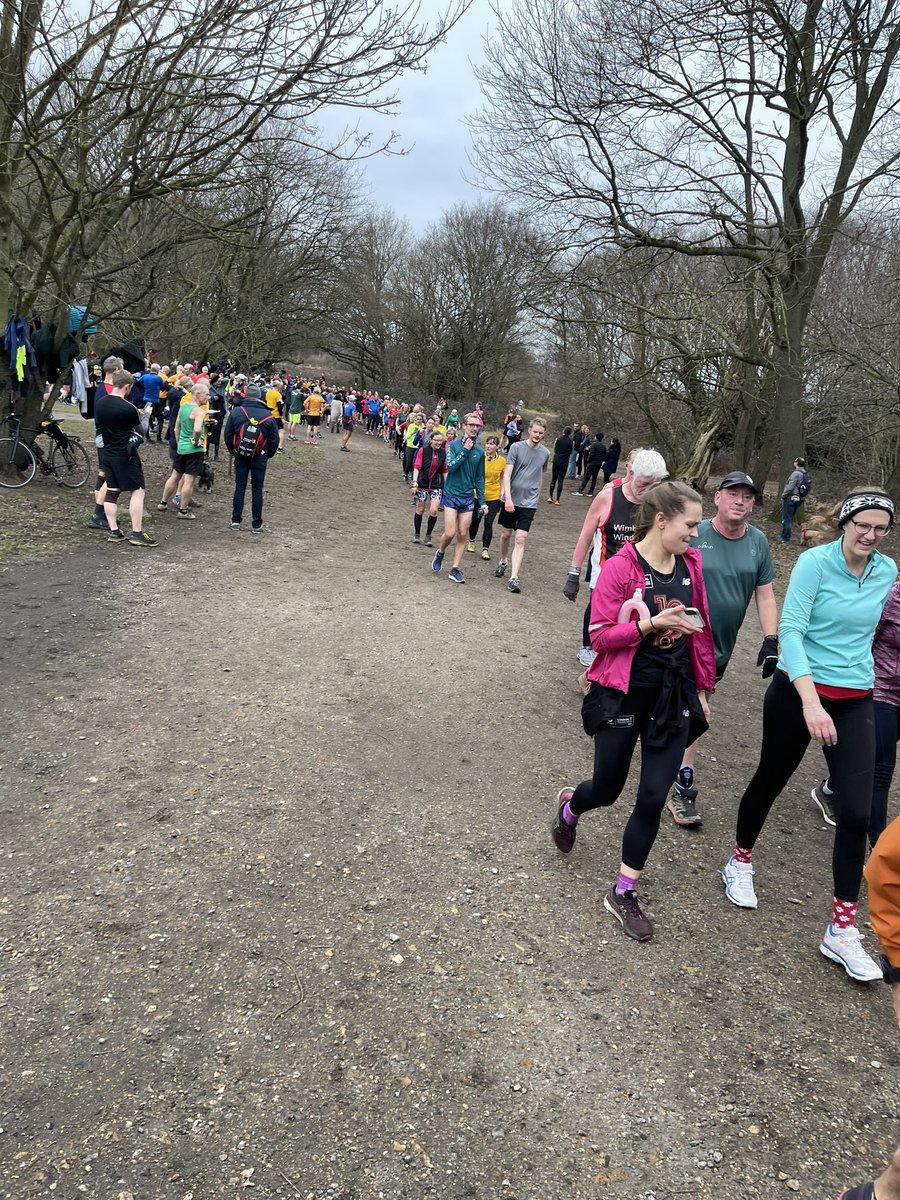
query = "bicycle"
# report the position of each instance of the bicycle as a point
(68, 461)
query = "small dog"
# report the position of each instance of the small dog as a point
(821, 526)
(206, 478)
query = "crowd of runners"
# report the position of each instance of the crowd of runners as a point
(667, 593)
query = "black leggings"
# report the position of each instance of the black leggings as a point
(558, 479)
(887, 734)
(487, 535)
(614, 745)
(589, 479)
(851, 764)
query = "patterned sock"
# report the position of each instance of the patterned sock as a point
(742, 855)
(843, 914)
(686, 776)
(625, 884)
(568, 816)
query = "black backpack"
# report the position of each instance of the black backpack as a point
(804, 487)
(250, 440)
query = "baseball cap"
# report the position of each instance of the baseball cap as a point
(739, 479)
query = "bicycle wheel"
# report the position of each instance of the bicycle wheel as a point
(17, 463)
(70, 464)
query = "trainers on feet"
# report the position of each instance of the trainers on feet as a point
(257, 529)
(486, 555)
(417, 541)
(682, 804)
(549, 499)
(456, 576)
(185, 514)
(561, 831)
(96, 522)
(437, 562)
(235, 524)
(844, 946)
(162, 506)
(470, 548)
(824, 803)
(738, 880)
(586, 656)
(116, 535)
(625, 908)
(501, 570)
(142, 539)
(513, 585)
(429, 542)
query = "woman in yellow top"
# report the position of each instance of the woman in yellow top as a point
(494, 465)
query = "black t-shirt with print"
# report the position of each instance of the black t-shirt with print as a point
(116, 420)
(665, 648)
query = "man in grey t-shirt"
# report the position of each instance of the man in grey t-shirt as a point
(520, 491)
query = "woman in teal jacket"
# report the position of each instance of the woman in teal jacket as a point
(822, 692)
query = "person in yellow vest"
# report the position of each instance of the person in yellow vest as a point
(494, 466)
(275, 404)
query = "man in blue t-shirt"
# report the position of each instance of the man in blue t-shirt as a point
(347, 422)
(737, 568)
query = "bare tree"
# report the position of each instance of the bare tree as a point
(111, 106)
(748, 132)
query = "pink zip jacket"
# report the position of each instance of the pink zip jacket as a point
(616, 644)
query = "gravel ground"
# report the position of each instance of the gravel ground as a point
(281, 915)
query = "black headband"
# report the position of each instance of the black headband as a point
(857, 501)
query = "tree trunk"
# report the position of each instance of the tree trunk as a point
(787, 358)
(707, 441)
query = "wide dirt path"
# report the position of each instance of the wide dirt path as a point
(281, 915)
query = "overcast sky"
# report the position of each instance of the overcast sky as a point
(430, 125)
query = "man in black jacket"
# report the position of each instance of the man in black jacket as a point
(593, 465)
(253, 412)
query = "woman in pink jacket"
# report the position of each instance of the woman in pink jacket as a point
(653, 671)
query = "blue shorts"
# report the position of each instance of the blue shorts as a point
(462, 506)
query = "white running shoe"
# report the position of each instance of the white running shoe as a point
(586, 656)
(738, 878)
(844, 946)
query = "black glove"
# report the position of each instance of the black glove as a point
(768, 655)
(570, 590)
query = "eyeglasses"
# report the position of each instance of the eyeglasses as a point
(878, 531)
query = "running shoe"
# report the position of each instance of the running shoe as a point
(98, 523)
(625, 908)
(824, 803)
(501, 570)
(470, 548)
(486, 555)
(455, 575)
(257, 529)
(682, 804)
(429, 542)
(865, 1191)
(417, 541)
(549, 499)
(586, 656)
(561, 831)
(116, 535)
(162, 506)
(513, 585)
(844, 946)
(738, 880)
(557, 503)
(578, 493)
(142, 539)
(235, 524)
(185, 514)
(437, 562)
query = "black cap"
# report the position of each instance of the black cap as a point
(739, 479)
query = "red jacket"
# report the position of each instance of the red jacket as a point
(616, 644)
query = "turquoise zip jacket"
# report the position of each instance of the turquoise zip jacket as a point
(465, 472)
(829, 617)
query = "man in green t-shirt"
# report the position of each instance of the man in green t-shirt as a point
(737, 567)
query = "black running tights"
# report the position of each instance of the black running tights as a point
(558, 479)
(851, 765)
(614, 746)
(487, 536)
